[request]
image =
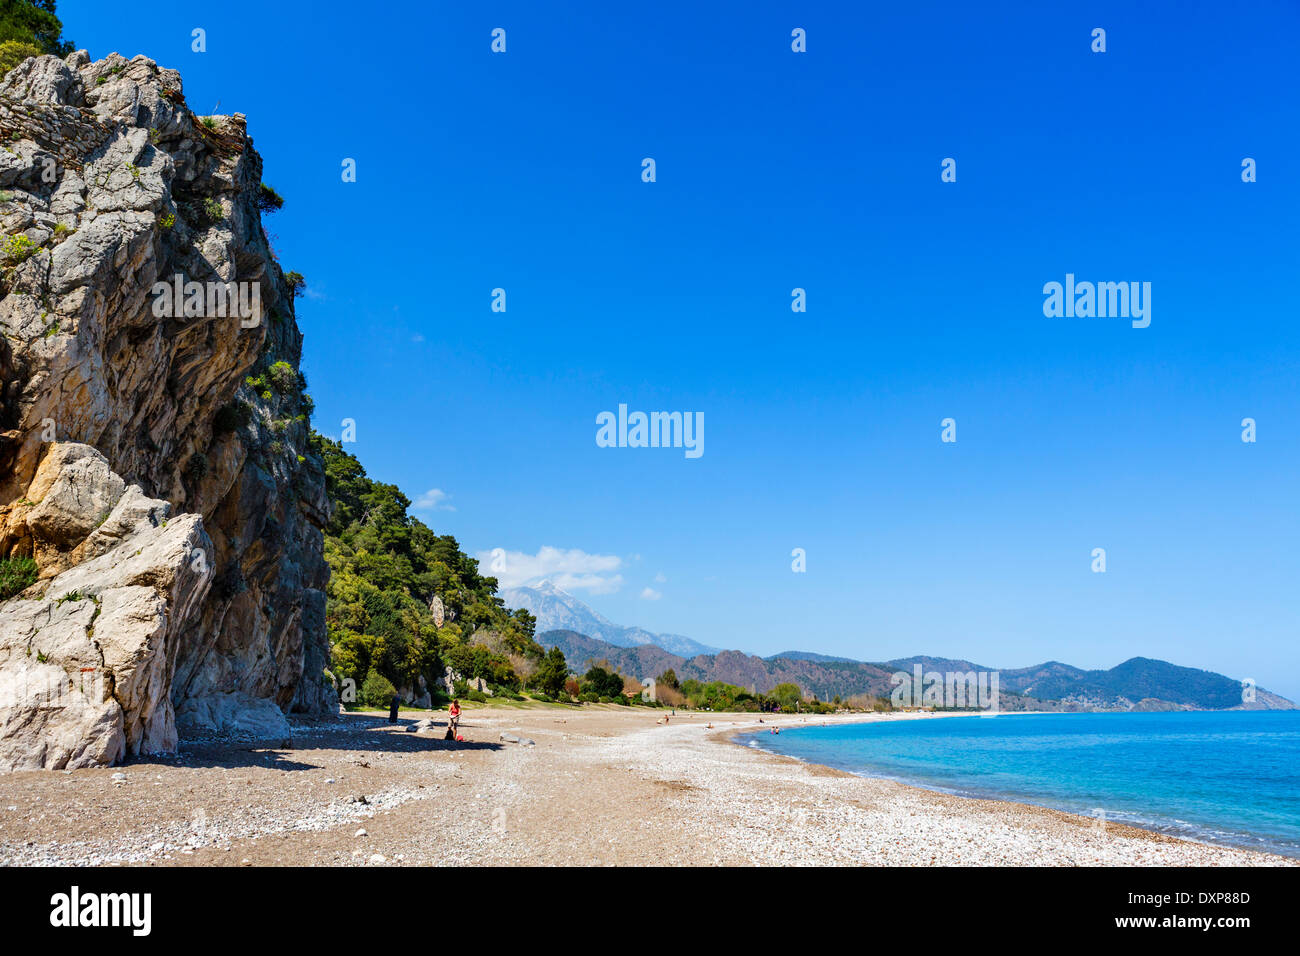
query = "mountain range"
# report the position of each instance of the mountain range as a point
(558, 610)
(584, 636)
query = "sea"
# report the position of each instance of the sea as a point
(1226, 777)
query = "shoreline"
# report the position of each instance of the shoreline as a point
(603, 785)
(1080, 819)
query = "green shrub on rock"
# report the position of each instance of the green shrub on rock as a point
(19, 248)
(16, 574)
(283, 376)
(13, 52)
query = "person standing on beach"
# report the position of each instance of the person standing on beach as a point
(453, 723)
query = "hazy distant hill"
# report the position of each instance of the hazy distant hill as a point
(586, 637)
(556, 609)
(1134, 680)
(809, 656)
(581, 652)
(1137, 684)
(1129, 683)
(824, 678)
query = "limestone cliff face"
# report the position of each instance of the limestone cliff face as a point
(180, 426)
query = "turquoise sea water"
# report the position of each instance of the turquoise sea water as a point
(1226, 777)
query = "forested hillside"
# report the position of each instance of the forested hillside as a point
(404, 601)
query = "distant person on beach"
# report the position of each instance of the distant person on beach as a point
(454, 712)
(392, 709)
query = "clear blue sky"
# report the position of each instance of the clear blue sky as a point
(821, 170)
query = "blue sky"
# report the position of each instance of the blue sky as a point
(820, 170)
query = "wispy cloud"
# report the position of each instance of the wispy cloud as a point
(435, 499)
(650, 594)
(570, 569)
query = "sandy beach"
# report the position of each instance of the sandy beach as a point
(602, 785)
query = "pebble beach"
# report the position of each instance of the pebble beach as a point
(602, 785)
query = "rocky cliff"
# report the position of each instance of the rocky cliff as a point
(161, 562)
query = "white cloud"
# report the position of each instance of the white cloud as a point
(659, 578)
(594, 583)
(435, 499)
(569, 569)
(650, 594)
